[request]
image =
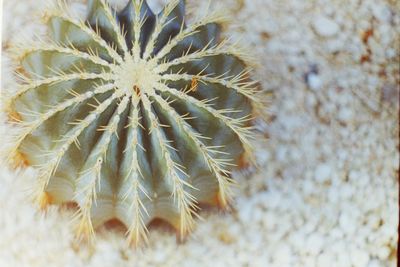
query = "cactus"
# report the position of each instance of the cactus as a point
(132, 115)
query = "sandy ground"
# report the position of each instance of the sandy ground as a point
(327, 190)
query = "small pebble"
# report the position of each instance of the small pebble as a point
(383, 252)
(325, 27)
(345, 115)
(322, 173)
(325, 260)
(314, 243)
(359, 258)
(314, 81)
(347, 223)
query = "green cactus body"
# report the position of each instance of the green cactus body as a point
(133, 116)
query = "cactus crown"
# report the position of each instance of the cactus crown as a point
(132, 115)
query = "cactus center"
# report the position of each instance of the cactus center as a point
(135, 77)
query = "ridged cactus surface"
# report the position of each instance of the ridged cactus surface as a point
(132, 115)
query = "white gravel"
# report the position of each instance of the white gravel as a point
(326, 192)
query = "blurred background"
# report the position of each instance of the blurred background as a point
(326, 192)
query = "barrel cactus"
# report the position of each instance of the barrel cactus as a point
(132, 115)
